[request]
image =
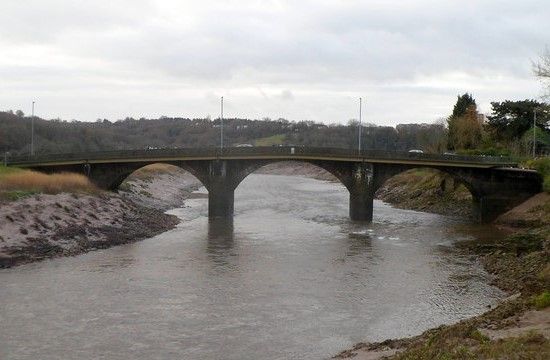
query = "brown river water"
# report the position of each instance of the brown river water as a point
(290, 278)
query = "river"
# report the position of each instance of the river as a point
(290, 278)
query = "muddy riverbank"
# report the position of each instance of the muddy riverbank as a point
(43, 226)
(427, 190)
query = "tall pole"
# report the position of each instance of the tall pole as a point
(221, 124)
(360, 123)
(32, 130)
(534, 132)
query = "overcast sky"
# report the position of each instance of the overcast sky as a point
(301, 60)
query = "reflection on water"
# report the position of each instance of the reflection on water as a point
(219, 245)
(289, 277)
(220, 231)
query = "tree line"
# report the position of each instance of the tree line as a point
(56, 136)
(512, 128)
(507, 131)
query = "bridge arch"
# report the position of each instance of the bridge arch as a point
(150, 171)
(386, 172)
(445, 178)
(112, 176)
(327, 167)
(224, 177)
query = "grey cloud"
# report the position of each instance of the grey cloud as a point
(39, 21)
(333, 47)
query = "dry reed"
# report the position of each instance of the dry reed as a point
(28, 180)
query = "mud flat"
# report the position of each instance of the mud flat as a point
(159, 186)
(43, 226)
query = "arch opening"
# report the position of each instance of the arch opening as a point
(310, 169)
(428, 189)
(299, 168)
(296, 168)
(160, 185)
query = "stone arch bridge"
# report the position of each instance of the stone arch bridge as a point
(496, 184)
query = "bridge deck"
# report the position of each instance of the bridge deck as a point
(282, 153)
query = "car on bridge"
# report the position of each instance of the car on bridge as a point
(416, 151)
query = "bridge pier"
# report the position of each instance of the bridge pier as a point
(488, 208)
(360, 206)
(220, 202)
(220, 181)
(361, 192)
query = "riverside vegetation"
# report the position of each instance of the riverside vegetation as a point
(17, 183)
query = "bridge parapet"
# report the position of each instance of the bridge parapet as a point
(289, 152)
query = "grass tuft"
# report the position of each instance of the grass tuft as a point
(5, 170)
(16, 194)
(542, 301)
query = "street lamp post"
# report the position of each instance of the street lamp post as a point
(32, 130)
(221, 124)
(534, 132)
(360, 124)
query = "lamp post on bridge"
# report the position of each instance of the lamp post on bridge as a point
(32, 130)
(360, 124)
(535, 131)
(221, 123)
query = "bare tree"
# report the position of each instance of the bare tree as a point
(541, 69)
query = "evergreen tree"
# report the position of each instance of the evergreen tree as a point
(465, 105)
(510, 119)
(462, 105)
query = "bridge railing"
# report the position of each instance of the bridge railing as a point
(284, 151)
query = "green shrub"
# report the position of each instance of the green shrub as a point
(490, 151)
(542, 165)
(546, 184)
(543, 300)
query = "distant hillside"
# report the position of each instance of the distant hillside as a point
(57, 136)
